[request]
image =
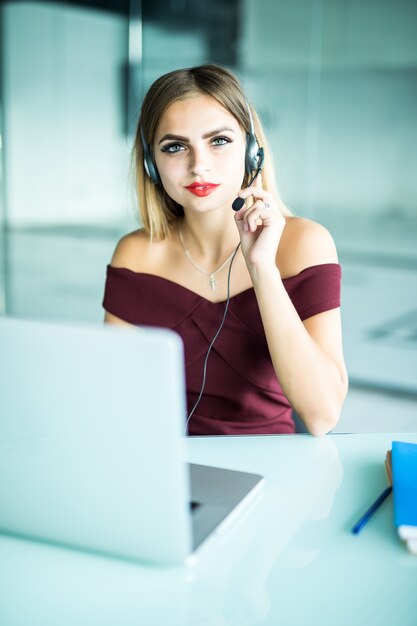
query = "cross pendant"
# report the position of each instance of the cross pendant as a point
(213, 282)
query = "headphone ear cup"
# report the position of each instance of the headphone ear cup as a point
(148, 162)
(252, 153)
(151, 168)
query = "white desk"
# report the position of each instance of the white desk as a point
(292, 560)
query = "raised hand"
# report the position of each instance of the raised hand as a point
(260, 225)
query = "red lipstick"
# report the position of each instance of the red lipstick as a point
(201, 188)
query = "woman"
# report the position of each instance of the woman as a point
(268, 280)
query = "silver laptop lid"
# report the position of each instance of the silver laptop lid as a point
(91, 446)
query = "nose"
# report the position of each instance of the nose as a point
(199, 162)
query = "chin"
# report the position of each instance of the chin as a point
(208, 204)
(211, 208)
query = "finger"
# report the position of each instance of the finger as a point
(259, 206)
(255, 214)
(246, 219)
(253, 190)
(241, 223)
(240, 215)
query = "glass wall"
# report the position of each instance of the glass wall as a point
(335, 83)
(64, 87)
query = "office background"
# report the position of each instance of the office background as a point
(335, 83)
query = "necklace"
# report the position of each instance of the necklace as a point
(213, 281)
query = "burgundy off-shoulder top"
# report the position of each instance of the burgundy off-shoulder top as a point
(242, 394)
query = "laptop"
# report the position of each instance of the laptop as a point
(92, 452)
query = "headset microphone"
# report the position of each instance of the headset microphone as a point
(239, 202)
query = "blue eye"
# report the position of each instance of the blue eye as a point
(172, 148)
(221, 141)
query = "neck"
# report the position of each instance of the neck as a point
(210, 238)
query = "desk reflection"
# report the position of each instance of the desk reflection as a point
(286, 530)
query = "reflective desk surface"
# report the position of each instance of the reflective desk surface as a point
(291, 560)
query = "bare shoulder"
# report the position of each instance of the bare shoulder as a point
(132, 251)
(304, 243)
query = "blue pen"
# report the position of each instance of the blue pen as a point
(367, 516)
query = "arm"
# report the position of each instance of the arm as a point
(125, 252)
(307, 357)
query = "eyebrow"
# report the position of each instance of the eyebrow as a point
(212, 133)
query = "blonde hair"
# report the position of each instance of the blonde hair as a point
(157, 209)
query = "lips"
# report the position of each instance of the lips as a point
(202, 188)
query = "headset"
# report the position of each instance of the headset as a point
(254, 155)
(148, 162)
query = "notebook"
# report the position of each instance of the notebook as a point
(92, 448)
(404, 475)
